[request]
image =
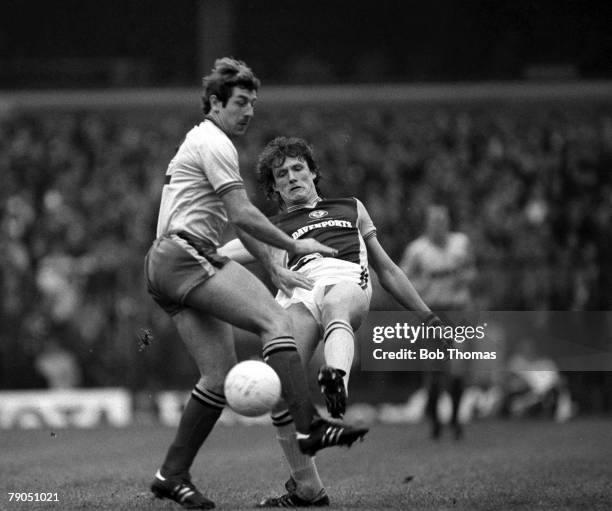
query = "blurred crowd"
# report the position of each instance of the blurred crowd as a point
(531, 185)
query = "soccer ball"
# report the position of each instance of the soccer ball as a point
(252, 388)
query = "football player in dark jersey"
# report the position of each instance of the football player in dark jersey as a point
(339, 298)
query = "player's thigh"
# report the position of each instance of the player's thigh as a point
(345, 300)
(306, 331)
(210, 342)
(233, 294)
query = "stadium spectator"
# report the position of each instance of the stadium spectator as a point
(206, 293)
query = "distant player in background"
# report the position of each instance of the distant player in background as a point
(59, 366)
(533, 385)
(206, 293)
(339, 300)
(441, 266)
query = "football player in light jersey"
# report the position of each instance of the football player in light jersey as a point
(339, 300)
(441, 266)
(206, 293)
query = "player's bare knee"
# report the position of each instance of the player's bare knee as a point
(344, 302)
(212, 382)
(335, 308)
(276, 323)
(280, 407)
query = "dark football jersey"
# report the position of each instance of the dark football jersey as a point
(343, 224)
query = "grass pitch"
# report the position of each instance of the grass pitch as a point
(499, 465)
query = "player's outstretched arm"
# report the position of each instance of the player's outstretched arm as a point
(466, 273)
(410, 264)
(244, 215)
(393, 279)
(274, 261)
(236, 251)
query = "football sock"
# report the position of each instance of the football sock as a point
(339, 347)
(199, 416)
(456, 392)
(282, 355)
(433, 396)
(303, 468)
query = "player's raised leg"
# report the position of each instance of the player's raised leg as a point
(304, 487)
(344, 306)
(242, 300)
(239, 298)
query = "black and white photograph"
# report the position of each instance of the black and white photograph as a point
(329, 254)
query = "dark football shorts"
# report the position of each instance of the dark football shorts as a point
(176, 264)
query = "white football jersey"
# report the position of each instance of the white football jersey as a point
(203, 169)
(439, 266)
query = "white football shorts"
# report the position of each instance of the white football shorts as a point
(326, 271)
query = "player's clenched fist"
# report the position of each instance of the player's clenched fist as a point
(432, 320)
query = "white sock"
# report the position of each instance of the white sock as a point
(303, 468)
(339, 347)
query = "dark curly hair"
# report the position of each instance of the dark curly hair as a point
(274, 155)
(225, 75)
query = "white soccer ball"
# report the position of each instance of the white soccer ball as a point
(252, 388)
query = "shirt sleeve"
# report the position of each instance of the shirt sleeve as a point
(364, 222)
(221, 167)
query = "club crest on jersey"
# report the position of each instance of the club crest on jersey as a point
(317, 213)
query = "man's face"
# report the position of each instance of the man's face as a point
(235, 116)
(437, 221)
(294, 181)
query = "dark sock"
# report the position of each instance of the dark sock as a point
(281, 354)
(200, 415)
(456, 392)
(434, 390)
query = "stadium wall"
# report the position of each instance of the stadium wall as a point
(57, 409)
(322, 95)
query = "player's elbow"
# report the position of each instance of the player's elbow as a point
(242, 217)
